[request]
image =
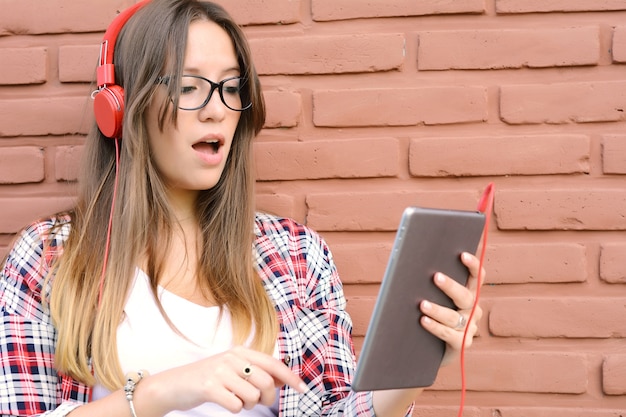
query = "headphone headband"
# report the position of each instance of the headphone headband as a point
(105, 72)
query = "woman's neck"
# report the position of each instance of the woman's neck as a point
(182, 204)
(179, 263)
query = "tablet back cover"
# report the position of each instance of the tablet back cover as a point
(398, 352)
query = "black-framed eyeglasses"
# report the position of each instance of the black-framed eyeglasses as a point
(196, 92)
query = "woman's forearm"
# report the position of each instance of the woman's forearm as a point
(394, 403)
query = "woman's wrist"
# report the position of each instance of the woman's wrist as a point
(132, 380)
(393, 403)
(151, 398)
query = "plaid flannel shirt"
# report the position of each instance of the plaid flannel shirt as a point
(298, 273)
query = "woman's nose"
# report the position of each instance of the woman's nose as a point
(214, 108)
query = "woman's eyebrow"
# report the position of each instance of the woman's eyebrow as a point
(196, 70)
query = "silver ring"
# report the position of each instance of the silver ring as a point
(247, 371)
(462, 322)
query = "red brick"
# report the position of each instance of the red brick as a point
(521, 155)
(445, 411)
(23, 65)
(530, 6)
(283, 108)
(560, 209)
(263, 12)
(614, 374)
(571, 317)
(58, 16)
(327, 159)
(23, 164)
(67, 163)
(362, 211)
(516, 371)
(563, 103)
(614, 154)
(362, 263)
(557, 411)
(352, 9)
(44, 116)
(613, 263)
(277, 204)
(551, 263)
(77, 63)
(619, 44)
(17, 212)
(33, 17)
(329, 54)
(399, 107)
(491, 49)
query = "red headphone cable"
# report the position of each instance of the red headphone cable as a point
(485, 205)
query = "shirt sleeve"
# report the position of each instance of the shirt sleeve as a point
(29, 384)
(336, 356)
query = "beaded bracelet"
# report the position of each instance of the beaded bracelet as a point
(132, 380)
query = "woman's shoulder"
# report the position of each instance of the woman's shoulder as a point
(49, 232)
(282, 227)
(40, 242)
(27, 263)
(290, 238)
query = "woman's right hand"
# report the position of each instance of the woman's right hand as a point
(219, 379)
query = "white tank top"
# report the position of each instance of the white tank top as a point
(146, 341)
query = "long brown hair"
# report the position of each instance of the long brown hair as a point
(151, 44)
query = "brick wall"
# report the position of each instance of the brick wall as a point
(377, 105)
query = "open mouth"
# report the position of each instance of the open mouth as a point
(210, 146)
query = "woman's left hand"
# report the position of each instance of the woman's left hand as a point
(447, 324)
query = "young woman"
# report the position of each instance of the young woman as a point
(164, 272)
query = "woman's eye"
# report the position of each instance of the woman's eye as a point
(231, 89)
(232, 86)
(187, 89)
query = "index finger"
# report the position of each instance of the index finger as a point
(277, 370)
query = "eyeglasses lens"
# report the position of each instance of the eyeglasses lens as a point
(195, 91)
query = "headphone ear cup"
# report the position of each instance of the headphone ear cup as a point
(109, 110)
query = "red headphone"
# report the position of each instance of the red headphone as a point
(108, 100)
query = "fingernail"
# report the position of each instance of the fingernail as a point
(427, 320)
(439, 277)
(426, 305)
(465, 256)
(302, 387)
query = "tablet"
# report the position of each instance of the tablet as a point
(397, 351)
